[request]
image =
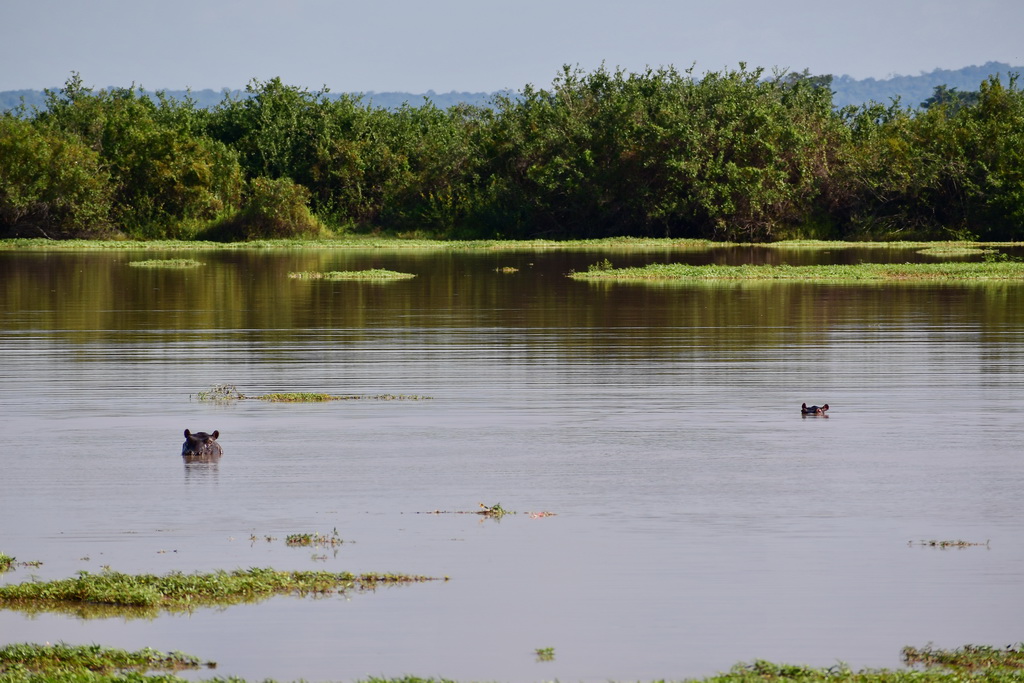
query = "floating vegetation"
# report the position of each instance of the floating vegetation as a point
(545, 654)
(268, 538)
(864, 272)
(8, 563)
(317, 540)
(297, 397)
(372, 274)
(60, 660)
(968, 657)
(221, 392)
(317, 398)
(955, 249)
(493, 510)
(229, 392)
(166, 263)
(178, 591)
(947, 544)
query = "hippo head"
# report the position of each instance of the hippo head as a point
(201, 445)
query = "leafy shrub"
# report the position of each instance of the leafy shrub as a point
(274, 208)
(50, 184)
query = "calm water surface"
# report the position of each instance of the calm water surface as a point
(699, 520)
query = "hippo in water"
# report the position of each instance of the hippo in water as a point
(201, 445)
(804, 409)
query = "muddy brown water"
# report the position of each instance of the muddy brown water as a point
(699, 521)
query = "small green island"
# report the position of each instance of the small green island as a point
(183, 592)
(863, 272)
(373, 275)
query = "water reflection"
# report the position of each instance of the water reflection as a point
(201, 468)
(656, 421)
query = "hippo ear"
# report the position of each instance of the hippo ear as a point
(187, 433)
(216, 433)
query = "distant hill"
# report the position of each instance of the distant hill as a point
(911, 90)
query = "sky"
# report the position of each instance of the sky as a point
(483, 45)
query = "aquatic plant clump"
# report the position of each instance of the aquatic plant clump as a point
(968, 657)
(864, 272)
(229, 392)
(61, 659)
(948, 544)
(372, 274)
(177, 590)
(314, 539)
(221, 392)
(166, 263)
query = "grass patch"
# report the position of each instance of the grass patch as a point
(178, 591)
(299, 397)
(59, 660)
(545, 654)
(166, 263)
(955, 250)
(375, 275)
(229, 392)
(864, 272)
(7, 563)
(317, 540)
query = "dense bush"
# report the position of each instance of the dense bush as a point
(51, 184)
(734, 155)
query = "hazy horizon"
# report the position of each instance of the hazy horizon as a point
(462, 46)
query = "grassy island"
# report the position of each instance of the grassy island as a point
(176, 591)
(375, 274)
(864, 272)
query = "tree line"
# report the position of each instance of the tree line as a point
(731, 155)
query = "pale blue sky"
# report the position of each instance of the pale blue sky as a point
(479, 45)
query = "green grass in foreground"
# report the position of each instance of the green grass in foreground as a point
(93, 663)
(373, 274)
(864, 272)
(184, 591)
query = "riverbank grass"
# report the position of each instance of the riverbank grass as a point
(356, 242)
(863, 272)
